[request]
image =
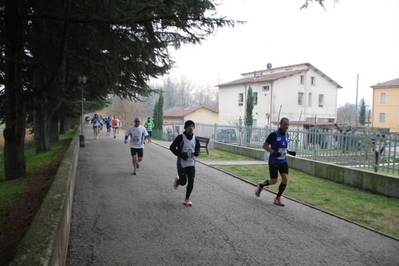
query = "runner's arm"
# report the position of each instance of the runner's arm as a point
(175, 144)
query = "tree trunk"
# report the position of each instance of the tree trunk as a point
(63, 127)
(41, 127)
(15, 113)
(54, 132)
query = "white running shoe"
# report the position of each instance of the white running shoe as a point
(188, 202)
(175, 182)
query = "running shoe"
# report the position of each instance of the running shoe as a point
(258, 190)
(188, 202)
(134, 172)
(175, 183)
(278, 202)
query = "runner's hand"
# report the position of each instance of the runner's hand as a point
(184, 156)
(293, 153)
(278, 154)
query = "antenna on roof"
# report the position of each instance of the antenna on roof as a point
(269, 65)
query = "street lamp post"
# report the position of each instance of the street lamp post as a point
(82, 80)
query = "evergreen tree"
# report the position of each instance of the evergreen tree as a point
(362, 115)
(248, 113)
(249, 108)
(160, 112)
(49, 44)
(155, 115)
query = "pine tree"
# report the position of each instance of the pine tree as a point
(248, 113)
(160, 112)
(362, 115)
(249, 108)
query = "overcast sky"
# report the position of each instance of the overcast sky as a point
(354, 37)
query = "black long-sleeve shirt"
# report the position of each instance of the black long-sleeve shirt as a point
(174, 147)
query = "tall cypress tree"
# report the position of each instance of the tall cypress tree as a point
(155, 115)
(160, 112)
(362, 115)
(248, 113)
(249, 108)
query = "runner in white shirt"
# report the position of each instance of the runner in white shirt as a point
(138, 134)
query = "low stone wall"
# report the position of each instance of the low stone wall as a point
(46, 242)
(370, 181)
(253, 153)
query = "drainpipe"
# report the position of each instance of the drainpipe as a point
(271, 103)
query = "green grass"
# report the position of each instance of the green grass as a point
(12, 192)
(375, 211)
(222, 156)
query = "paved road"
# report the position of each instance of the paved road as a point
(121, 219)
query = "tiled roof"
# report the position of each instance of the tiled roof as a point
(388, 84)
(276, 76)
(267, 77)
(183, 111)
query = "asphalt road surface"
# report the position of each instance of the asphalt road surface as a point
(122, 219)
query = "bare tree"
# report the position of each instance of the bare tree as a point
(126, 110)
(346, 114)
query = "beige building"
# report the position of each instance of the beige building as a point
(300, 92)
(386, 105)
(178, 115)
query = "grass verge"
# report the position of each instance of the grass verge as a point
(21, 198)
(375, 211)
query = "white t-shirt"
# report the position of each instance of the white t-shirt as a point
(136, 136)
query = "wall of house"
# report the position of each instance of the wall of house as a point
(202, 115)
(229, 110)
(390, 108)
(283, 94)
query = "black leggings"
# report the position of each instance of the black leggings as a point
(187, 174)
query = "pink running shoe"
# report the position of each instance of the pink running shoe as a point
(278, 202)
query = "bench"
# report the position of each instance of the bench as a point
(203, 143)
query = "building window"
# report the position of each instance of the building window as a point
(310, 99)
(302, 79)
(383, 97)
(382, 117)
(313, 81)
(240, 99)
(266, 88)
(255, 98)
(300, 98)
(321, 100)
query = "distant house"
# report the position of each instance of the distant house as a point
(386, 105)
(178, 115)
(301, 92)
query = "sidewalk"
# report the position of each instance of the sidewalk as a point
(121, 219)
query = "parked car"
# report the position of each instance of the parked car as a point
(226, 135)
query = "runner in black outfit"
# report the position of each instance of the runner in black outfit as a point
(185, 147)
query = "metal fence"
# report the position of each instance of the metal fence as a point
(379, 153)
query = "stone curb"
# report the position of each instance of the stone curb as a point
(46, 242)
